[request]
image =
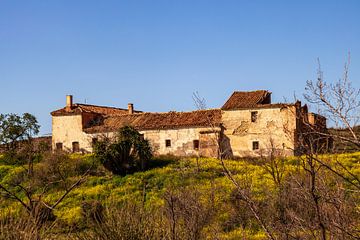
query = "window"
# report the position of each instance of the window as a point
(167, 143)
(59, 146)
(196, 144)
(142, 137)
(75, 147)
(94, 141)
(255, 145)
(254, 116)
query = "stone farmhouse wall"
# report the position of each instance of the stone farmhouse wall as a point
(273, 129)
(69, 129)
(182, 142)
(247, 125)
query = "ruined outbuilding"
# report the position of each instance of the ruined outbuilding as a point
(248, 124)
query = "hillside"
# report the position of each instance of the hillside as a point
(199, 185)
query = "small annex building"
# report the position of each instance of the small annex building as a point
(248, 124)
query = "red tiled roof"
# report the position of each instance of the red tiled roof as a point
(169, 120)
(240, 100)
(79, 108)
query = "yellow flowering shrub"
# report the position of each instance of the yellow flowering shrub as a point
(206, 175)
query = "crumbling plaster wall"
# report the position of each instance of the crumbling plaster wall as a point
(69, 129)
(182, 141)
(274, 127)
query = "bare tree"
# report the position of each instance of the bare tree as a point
(55, 170)
(339, 102)
(223, 152)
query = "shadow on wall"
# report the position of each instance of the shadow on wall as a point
(225, 148)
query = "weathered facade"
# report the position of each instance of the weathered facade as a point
(247, 125)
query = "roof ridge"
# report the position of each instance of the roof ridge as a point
(92, 105)
(259, 90)
(164, 120)
(145, 113)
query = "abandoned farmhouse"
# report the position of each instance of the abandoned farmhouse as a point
(248, 124)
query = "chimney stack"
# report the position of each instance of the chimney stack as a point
(131, 108)
(69, 102)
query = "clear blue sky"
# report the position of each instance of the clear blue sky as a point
(157, 53)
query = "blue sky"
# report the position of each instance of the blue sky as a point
(157, 53)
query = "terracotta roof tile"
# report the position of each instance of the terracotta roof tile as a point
(240, 100)
(78, 108)
(169, 120)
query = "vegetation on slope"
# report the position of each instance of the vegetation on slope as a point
(192, 198)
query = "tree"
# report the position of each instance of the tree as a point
(223, 153)
(30, 190)
(129, 152)
(317, 200)
(339, 102)
(16, 133)
(15, 128)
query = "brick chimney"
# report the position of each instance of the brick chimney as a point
(131, 108)
(69, 102)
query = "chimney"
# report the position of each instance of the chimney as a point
(69, 102)
(131, 108)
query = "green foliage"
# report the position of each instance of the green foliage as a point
(129, 153)
(14, 128)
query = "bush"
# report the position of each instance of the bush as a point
(129, 153)
(128, 221)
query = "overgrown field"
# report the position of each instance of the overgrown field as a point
(192, 198)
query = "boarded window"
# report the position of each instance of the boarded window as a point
(196, 144)
(254, 116)
(255, 145)
(59, 146)
(167, 143)
(75, 147)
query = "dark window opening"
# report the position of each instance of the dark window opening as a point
(167, 143)
(94, 141)
(142, 137)
(75, 147)
(196, 144)
(59, 146)
(255, 145)
(254, 116)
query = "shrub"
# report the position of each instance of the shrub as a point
(129, 153)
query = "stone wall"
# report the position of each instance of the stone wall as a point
(182, 142)
(39, 143)
(273, 128)
(69, 129)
